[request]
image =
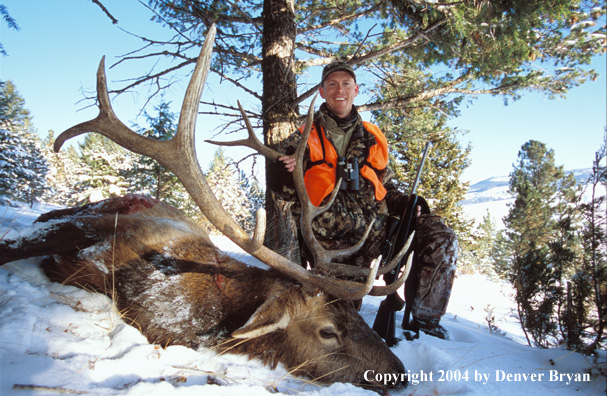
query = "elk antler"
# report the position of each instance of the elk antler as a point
(179, 155)
(322, 257)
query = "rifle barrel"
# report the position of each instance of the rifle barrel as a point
(420, 167)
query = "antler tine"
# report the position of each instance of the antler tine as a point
(346, 270)
(337, 269)
(350, 271)
(389, 289)
(106, 123)
(251, 141)
(178, 155)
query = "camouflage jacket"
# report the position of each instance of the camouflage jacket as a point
(346, 221)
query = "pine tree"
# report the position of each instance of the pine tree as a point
(22, 166)
(99, 170)
(418, 52)
(407, 133)
(60, 178)
(228, 189)
(501, 257)
(255, 198)
(10, 153)
(538, 222)
(477, 258)
(587, 302)
(147, 176)
(32, 183)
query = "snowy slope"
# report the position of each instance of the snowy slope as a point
(58, 339)
(488, 196)
(491, 196)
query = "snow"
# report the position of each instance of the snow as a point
(58, 338)
(491, 196)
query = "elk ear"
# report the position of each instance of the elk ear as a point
(269, 317)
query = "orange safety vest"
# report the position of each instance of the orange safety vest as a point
(320, 178)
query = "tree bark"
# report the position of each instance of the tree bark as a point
(279, 109)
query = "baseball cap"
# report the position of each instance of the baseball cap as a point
(336, 66)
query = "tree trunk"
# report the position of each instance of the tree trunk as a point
(279, 88)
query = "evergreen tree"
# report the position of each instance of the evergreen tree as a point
(10, 154)
(407, 133)
(13, 113)
(587, 297)
(147, 176)
(539, 220)
(229, 190)
(477, 258)
(60, 178)
(481, 46)
(501, 257)
(536, 297)
(22, 166)
(32, 183)
(255, 198)
(99, 172)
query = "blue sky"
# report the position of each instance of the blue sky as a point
(54, 57)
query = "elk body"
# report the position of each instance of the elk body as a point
(169, 280)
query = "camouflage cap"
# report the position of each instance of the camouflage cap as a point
(334, 67)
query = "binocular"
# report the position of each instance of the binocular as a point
(348, 172)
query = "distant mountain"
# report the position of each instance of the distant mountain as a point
(492, 189)
(491, 196)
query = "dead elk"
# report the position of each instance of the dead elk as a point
(169, 279)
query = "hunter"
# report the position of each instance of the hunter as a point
(341, 139)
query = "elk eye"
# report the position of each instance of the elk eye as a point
(328, 332)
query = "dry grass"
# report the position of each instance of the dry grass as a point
(7, 221)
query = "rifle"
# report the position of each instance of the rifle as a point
(399, 230)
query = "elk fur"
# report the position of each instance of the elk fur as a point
(168, 279)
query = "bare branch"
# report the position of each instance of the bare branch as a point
(105, 10)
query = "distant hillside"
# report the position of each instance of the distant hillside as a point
(491, 195)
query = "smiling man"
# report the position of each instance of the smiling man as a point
(339, 89)
(342, 145)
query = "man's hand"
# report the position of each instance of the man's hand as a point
(288, 161)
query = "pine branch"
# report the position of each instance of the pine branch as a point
(336, 21)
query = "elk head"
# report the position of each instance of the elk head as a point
(332, 326)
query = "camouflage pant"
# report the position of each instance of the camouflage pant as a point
(436, 248)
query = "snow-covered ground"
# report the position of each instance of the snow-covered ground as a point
(57, 339)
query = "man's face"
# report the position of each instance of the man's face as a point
(339, 90)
